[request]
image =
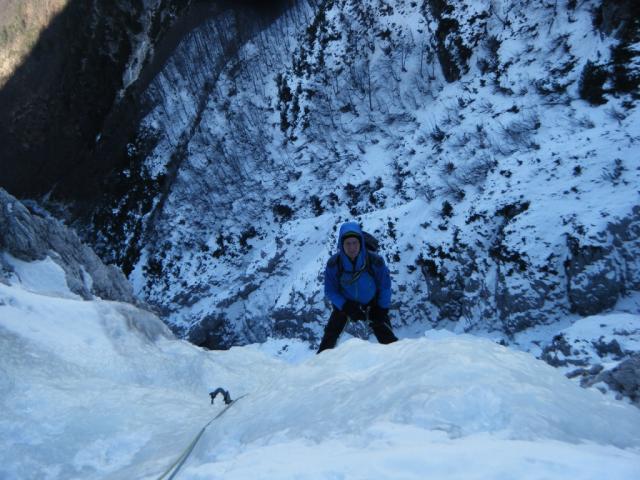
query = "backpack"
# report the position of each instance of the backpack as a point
(370, 242)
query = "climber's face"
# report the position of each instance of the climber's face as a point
(351, 247)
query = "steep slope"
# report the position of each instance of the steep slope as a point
(98, 389)
(71, 77)
(20, 25)
(491, 146)
(64, 70)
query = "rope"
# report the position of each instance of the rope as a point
(177, 465)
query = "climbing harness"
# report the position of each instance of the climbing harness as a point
(177, 465)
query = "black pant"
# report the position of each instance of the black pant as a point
(378, 320)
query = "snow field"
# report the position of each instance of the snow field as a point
(102, 390)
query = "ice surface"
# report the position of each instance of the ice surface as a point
(94, 389)
(42, 276)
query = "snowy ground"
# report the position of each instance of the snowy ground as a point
(102, 390)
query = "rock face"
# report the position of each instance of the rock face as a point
(459, 133)
(598, 274)
(621, 379)
(624, 378)
(588, 277)
(601, 351)
(30, 236)
(55, 103)
(69, 108)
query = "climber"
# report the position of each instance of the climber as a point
(358, 284)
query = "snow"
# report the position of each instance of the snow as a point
(402, 452)
(44, 276)
(604, 327)
(96, 389)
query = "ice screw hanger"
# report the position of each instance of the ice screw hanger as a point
(225, 395)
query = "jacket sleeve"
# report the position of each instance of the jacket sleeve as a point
(383, 281)
(332, 287)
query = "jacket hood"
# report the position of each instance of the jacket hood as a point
(346, 228)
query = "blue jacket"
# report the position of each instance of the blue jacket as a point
(359, 280)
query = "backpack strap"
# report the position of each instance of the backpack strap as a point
(334, 262)
(371, 261)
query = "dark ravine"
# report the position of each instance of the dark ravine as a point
(54, 105)
(65, 115)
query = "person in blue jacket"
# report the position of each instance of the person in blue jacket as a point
(358, 284)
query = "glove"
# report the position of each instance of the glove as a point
(379, 314)
(353, 310)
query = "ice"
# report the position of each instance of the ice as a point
(95, 389)
(42, 276)
(392, 451)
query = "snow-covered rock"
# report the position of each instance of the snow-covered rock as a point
(64, 262)
(601, 350)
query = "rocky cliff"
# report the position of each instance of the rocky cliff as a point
(71, 78)
(489, 145)
(33, 235)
